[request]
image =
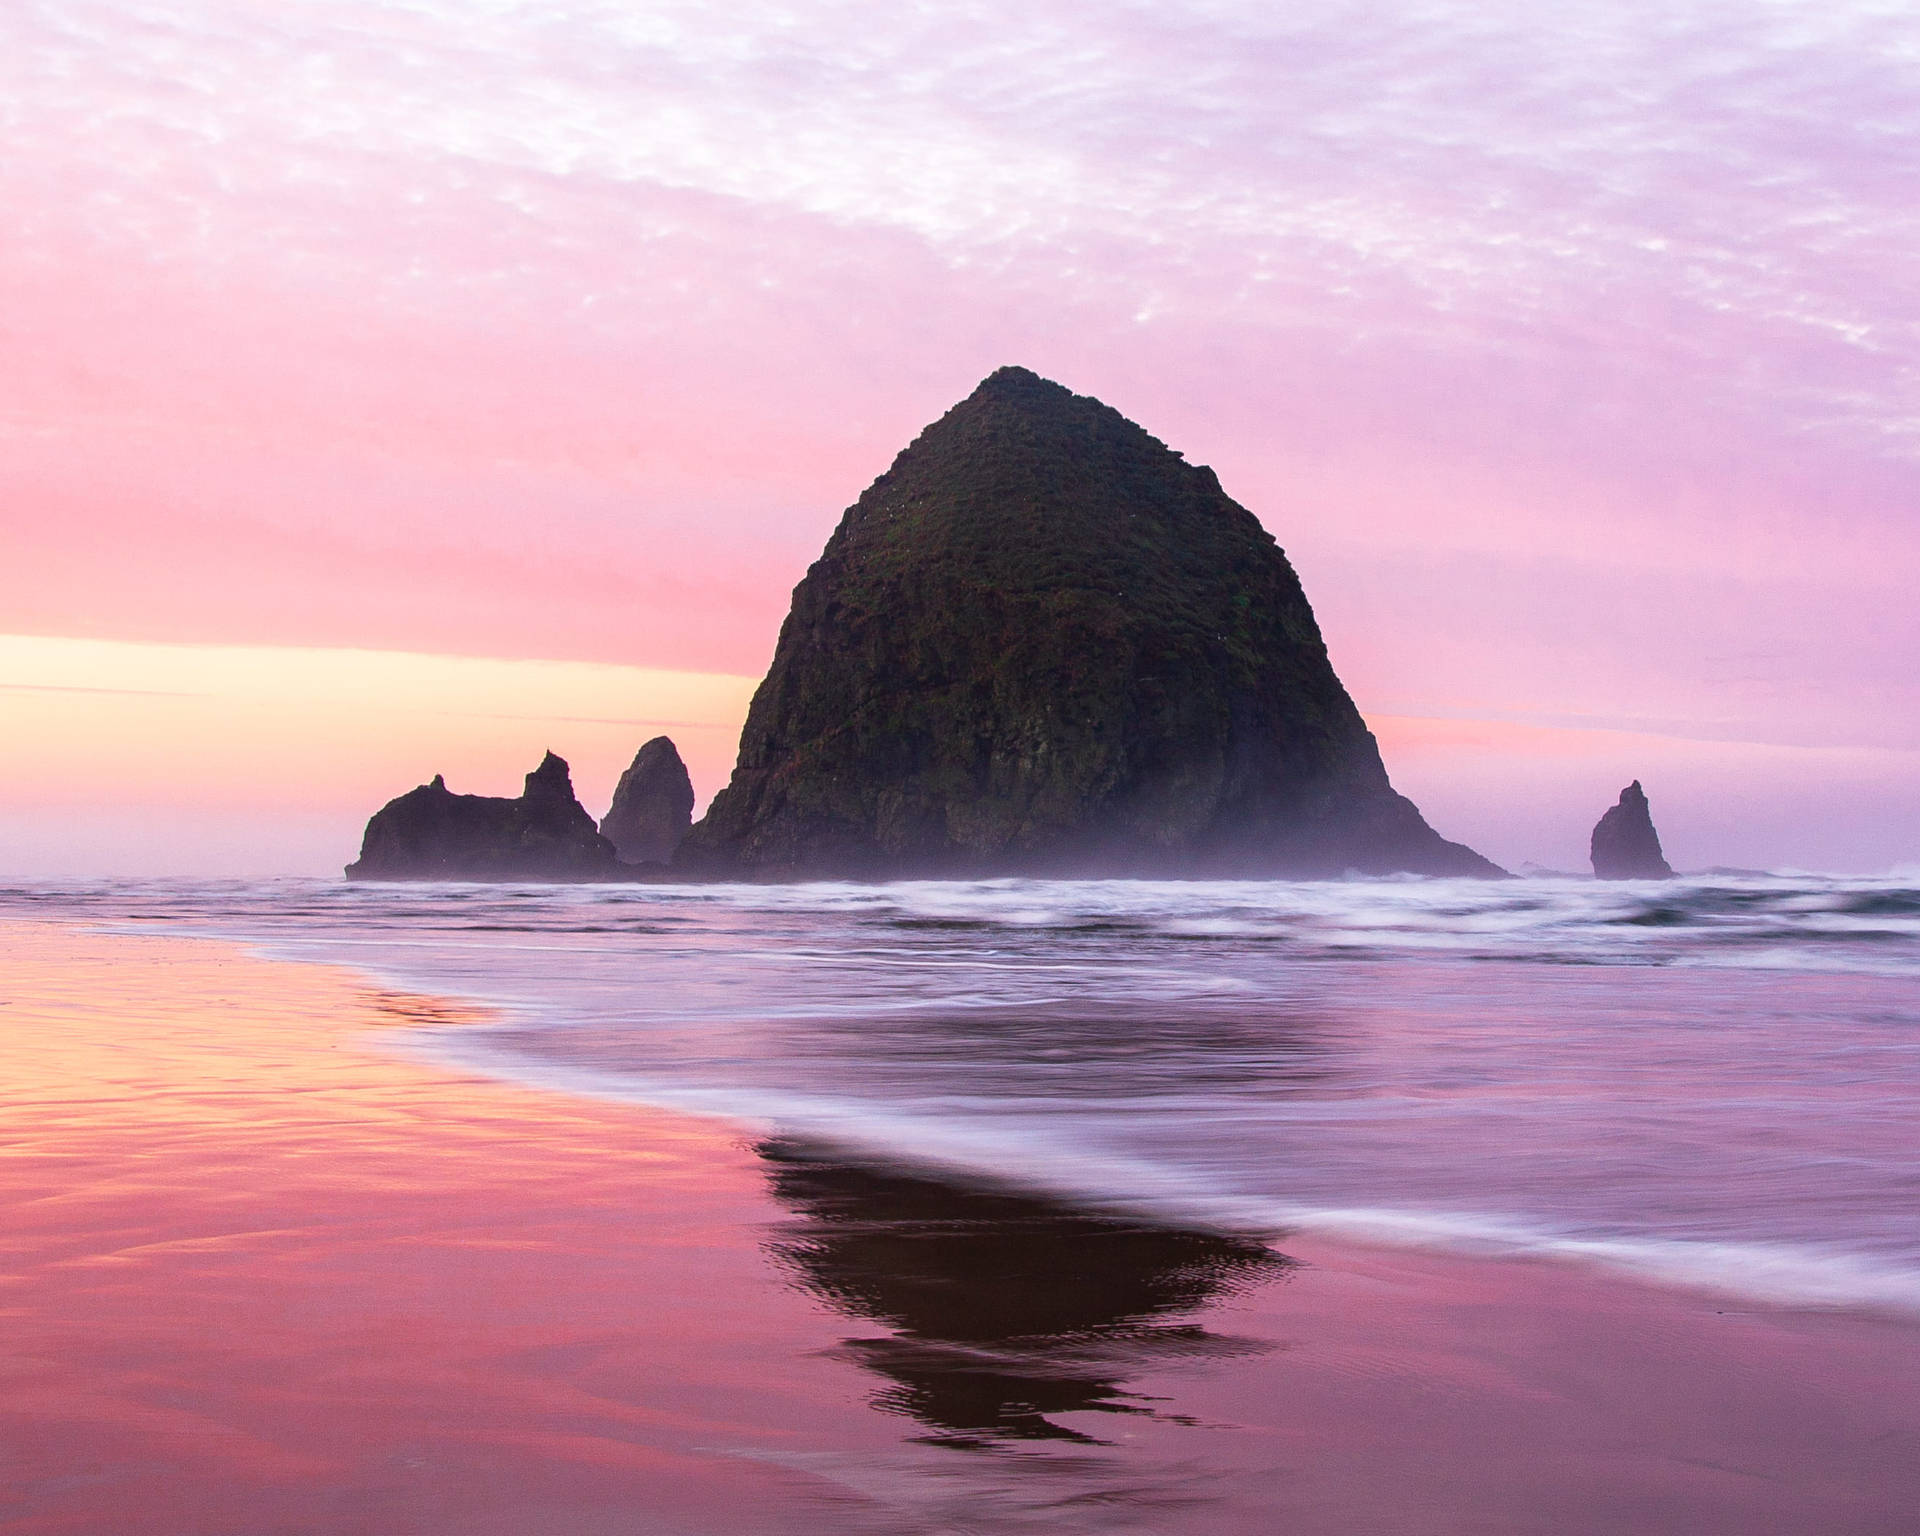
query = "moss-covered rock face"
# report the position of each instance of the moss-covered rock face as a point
(1042, 642)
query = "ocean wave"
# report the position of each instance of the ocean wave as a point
(1763, 922)
(1016, 1146)
(1792, 1275)
(1711, 1081)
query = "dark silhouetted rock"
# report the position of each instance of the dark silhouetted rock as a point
(1004, 1316)
(1044, 643)
(430, 833)
(652, 805)
(1625, 846)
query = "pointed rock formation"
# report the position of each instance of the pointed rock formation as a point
(1042, 642)
(1625, 846)
(430, 833)
(652, 805)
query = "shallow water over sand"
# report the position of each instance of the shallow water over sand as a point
(262, 1274)
(1711, 1082)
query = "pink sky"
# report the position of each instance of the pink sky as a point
(1569, 351)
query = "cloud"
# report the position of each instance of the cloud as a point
(1510, 161)
(1714, 193)
(1571, 347)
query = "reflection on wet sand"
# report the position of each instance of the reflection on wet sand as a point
(1007, 1310)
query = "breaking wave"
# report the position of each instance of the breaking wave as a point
(1711, 1081)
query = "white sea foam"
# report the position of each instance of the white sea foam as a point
(1712, 1082)
(1800, 1275)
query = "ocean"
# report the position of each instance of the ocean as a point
(1712, 1082)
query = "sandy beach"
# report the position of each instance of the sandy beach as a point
(265, 1273)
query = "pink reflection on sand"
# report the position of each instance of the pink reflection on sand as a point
(260, 1275)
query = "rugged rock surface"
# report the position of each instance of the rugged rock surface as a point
(1625, 846)
(652, 805)
(1042, 642)
(430, 833)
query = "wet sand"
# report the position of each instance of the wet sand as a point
(259, 1274)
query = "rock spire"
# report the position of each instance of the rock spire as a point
(1625, 846)
(652, 805)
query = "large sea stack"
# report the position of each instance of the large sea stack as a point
(652, 805)
(430, 833)
(1043, 643)
(1625, 846)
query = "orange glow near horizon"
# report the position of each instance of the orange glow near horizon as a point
(146, 758)
(267, 730)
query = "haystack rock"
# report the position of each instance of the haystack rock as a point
(1043, 643)
(652, 805)
(1625, 846)
(430, 833)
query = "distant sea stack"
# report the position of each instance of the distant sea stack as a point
(1625, 846)
(652, 805)
(430, 833)
(1043, 643)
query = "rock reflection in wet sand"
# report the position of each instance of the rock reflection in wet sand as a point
(1006, 1311)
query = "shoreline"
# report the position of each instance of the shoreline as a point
(264, 1275)
(1798, 1278)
